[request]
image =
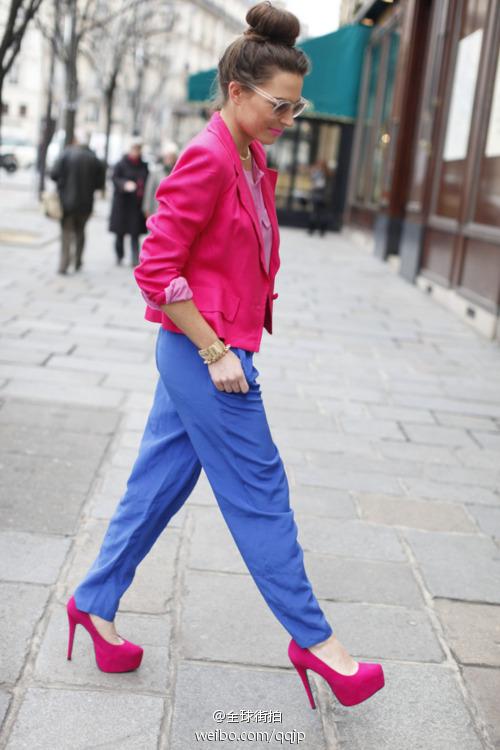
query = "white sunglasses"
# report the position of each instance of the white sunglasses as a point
(281, 106)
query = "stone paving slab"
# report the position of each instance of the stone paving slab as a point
(474, 477)
(400, 511)
(56, 718)
(372, 632)
(480, 457)
(103, 366)
(487, 439)
(59, 418)
(342, 462)
(421, 707)
(472, 631)
(232, 624)
(44, 494)
(10, 351)
(347, 538)
(36, 375)
(477, 408)
(455, 493)
(467, 422)
(457, 566)
(321, 501)
(4, 704)
(484, 685)
(275, 694)
(21, 607)
(359, 481)
(322, 440)
(65, 394)
(427, 454)
(488, 519)
(352, 580)
(212, 546)
(32, 558)
(59, 445)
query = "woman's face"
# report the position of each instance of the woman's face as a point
(254, 113)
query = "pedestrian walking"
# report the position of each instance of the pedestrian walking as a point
(127, 217)
(156, 175)
(207, 272)
(318, 218)
(78, 173)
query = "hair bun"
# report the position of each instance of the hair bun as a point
(270, 24)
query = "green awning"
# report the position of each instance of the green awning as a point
(332, 86)
(199, 85)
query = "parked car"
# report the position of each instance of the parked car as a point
(8, 162)
(24, 150)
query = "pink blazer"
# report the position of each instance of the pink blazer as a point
(207, 231)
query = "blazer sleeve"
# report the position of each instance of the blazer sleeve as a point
(186, 201)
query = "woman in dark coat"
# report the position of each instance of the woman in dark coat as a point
(127, 217)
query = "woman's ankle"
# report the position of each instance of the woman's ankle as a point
(330, 641)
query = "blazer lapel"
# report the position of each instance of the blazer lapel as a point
(268, 184)
(248, 202)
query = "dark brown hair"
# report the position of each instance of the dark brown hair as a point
(265, 47)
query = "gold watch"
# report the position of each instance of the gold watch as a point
(213, 352)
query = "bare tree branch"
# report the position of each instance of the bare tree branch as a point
(20, 14)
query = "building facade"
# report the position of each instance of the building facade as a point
(425, 175)
(200, 32)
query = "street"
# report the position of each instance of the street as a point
(386, 410)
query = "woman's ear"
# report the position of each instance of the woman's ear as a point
(235, 91)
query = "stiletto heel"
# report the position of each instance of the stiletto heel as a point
(110, 657)
(348, 689)
(72, 627)
(303, 676)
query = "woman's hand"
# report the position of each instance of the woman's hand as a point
(227, 374)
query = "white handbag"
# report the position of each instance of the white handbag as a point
(52, 204)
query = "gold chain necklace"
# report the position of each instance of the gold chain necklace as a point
(244, 158)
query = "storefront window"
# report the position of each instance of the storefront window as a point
(301, 184)
(373, 60)
(488, 201)
(430, 103)
(383, 142)
(460, 112)
(377, 126)
(281, 157)
(298, 155)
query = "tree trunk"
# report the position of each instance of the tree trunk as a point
(49, 124)
(71, 78)
(109, 98)
(1, 107)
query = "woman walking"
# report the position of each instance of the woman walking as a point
(207, 271)
(127, 217)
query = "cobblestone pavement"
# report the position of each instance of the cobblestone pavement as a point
(386, 410)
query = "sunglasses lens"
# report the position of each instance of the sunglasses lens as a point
(298, 108)
(281, 109)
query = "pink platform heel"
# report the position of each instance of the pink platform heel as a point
(348, 689)
(110, 657)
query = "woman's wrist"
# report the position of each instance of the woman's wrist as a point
(214, 352)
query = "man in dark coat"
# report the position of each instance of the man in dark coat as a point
(127, 217)
(78, 173)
